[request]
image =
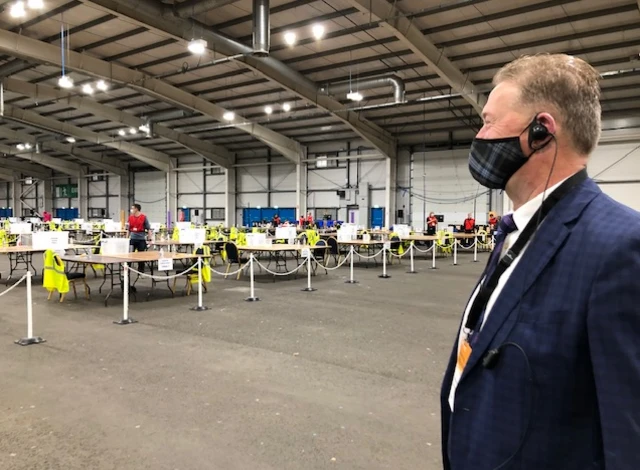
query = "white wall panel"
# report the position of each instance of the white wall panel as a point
(283, 177)
(215, 183)
(617, 169)
(324, 199)
(441, 183)
(190, 182)
(192, 201)
(283, 199)
(215, 200)
(326, 178)
(377, 198)
(372, 173)
(253, 178)
(150, 191)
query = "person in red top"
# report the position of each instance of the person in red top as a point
(309, 220)
(46, 217)
(432, 224)
(469, 227)
(493, 221)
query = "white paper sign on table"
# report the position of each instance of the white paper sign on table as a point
(306, 252)
(165, 264)
(387, 245)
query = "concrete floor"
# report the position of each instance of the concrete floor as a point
(347, 377)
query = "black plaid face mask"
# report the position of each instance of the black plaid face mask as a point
(492, 162)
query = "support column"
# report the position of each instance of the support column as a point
(230, 197)
(507, 205)
(83, 195)
(16, 190)
(390, 192)
(301, 190)
(172, 197)
(45, 201)
(124, 198)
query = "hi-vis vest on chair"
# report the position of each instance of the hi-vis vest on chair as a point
(54, 276)
(312, 237)
(206, 266)
(400, 247)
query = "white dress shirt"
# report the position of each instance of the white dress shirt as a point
(521, 217)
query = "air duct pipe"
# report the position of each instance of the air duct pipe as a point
(196, 7)
(368, 84)
(261, 28)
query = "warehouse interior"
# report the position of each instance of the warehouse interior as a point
(223, 112)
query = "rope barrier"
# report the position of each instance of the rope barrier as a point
(424, 251)
(368, 257)
(336, 266)
(465, 247)
(275, 273)
(231, 273)
(400, 256)
(14, 286)
(163, 278)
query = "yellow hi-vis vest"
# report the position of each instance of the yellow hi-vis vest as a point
(175, 236)
(233, 234)
(242, 239)
(400, 247)
(206, 267)
(54, 276)
(312, 237)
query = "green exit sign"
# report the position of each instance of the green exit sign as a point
(67, 190)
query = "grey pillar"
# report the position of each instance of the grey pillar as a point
(45, 199)
(230, 197)
(15, 203)
(172, 196)
(390, 192)
(124, 198)
(83, 195)
(301, 190)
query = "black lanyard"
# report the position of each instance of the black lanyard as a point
(489, 285)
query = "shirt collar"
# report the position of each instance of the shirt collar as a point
(523, 215)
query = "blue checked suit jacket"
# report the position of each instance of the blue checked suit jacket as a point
(573, 305)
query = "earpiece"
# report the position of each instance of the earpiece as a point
(537, 132)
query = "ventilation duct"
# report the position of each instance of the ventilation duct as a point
(261, 28)
(196, 7)
(368, 84)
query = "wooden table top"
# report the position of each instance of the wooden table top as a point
(420, 238)
(361, 242)
(127, 258)
(178, 243)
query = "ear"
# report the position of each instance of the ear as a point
(548, 121)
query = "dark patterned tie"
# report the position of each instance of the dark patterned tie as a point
(505, 227)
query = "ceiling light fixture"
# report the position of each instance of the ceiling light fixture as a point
(133, 131)
(122, 132)
(318, 31)
(355, 96)
(65, 82)
(229, 116)
(20, 147)
(268, 109)
(87, 89)
(145, 128)
(35, 4)
(290, 38)
(102, 85)
(197, 46)
(71, 140)
(27, 146)
(286, 107)
(17, 10)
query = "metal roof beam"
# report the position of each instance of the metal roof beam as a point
(101, 162)
(159, 18)
(196, 7)
(7, 174)
(156, 159)
(57, 164)
(36, 171)
(396, 21)
(214, 153)
(28, 48)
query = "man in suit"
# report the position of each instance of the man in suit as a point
(547, 377)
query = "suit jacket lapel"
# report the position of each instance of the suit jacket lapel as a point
(537, 255)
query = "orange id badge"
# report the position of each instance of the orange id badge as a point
(463, 355)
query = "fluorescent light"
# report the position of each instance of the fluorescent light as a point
(17, 10)
(133, 131)
(102, 85)
(35, 4)
(71, 140)
(65, 82)
(197, 46)
(290, 38)
(268, 109)
(20, 147)
(87, 89)
(318, 31)
(145, 128)
(27, 146)
(229, 116)
(355, 96)
(286, 107)
(122, 132)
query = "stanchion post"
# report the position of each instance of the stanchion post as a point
(199, 307)
(125, 300)
(252, 295)
(351, 255)
(384, 274)
(413, 271)
(455, 252)
(308, 288)
(475, 250)
(433, 255)
(30, 339)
